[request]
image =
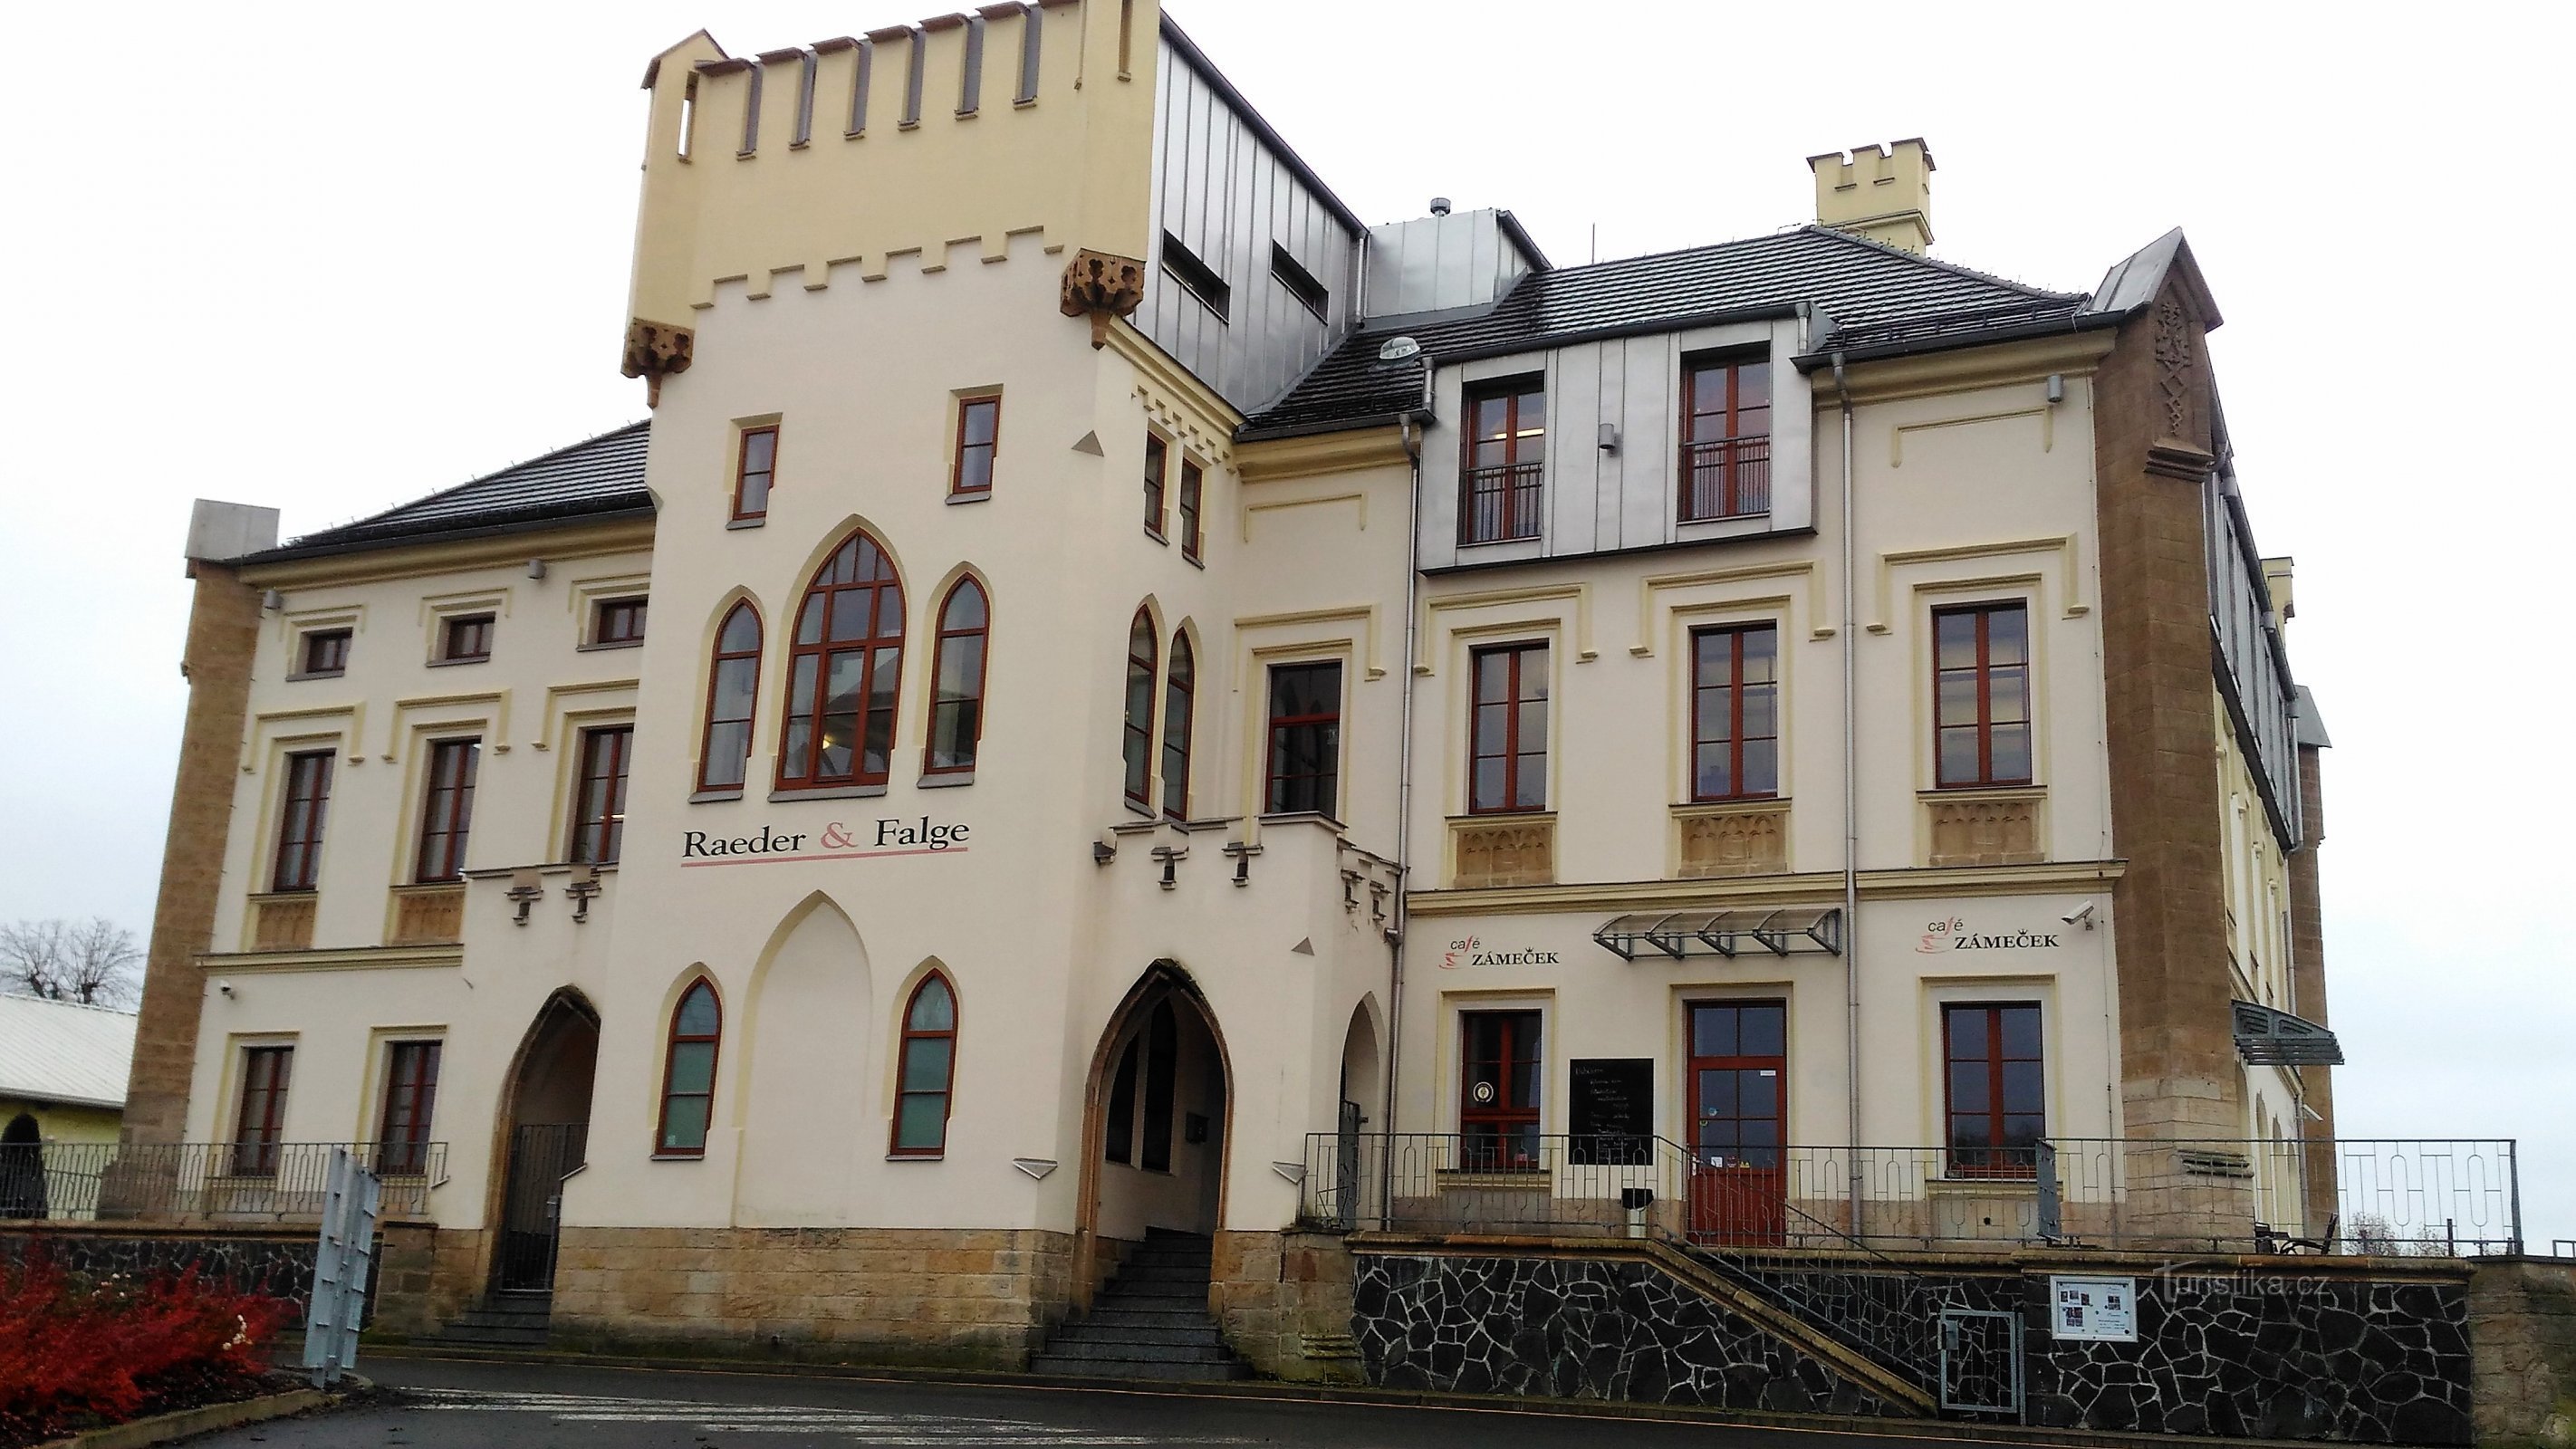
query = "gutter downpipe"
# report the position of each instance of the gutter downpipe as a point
(1403, 793)
(1851, 807)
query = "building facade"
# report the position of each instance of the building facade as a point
(1168, 708)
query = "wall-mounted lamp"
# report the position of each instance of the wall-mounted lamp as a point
(536, 568)
(1609, 437)
(272, 601)
(585, 884)
(1102, 852)
(2057, 387)
(525, 891)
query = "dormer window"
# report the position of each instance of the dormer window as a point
(1500, 478)
(1726, 438)
(1196, 277)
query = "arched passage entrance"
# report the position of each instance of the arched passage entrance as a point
(1157, 1116)
(22, 1168)
(545, 1136)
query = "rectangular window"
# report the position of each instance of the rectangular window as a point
(1301, 284)
(1192, 481)
(1498, 1094)
(1507, 738)
(1981, 684)
(465, 638)
(617, 621)
(599, 806)
(754, 469)
(1998, 1092)
(1196, 277)
(1505, 461)
(447, 811)
(261, 1125)
(1726, 438)
(411, 1092)
(1305, 754)
(325, 654)
(299, 821)
(1735, 712)
(1157, 455)
(979, 433)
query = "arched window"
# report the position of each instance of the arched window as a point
(926, 1068)
(689, 1073)
(842, 671)
(732, 681)
(957, 682)
(1179, 688)
(1139, 747)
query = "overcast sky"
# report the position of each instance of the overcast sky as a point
(333, 257)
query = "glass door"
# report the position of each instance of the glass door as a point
(1739, 1110)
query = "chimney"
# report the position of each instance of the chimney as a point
(1880, 192)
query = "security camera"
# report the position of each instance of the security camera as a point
(2081, 915)
(224, 987)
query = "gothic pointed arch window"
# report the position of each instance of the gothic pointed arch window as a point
(1138, 747)
(733, 679)
(925, 1069)
(957, 681)
(844, 666)
(689, 1072)
(1180, 692)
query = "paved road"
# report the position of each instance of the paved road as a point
(448, 1404)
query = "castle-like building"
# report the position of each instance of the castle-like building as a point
(1114, 702)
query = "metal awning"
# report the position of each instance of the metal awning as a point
(2269, 1038)
(1724, 933)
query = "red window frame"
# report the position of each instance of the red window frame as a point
(908, 1088)
(2003, 1111)
(300, 816)
(1502, 473)
(1713, 1145)
(411, 1097)
(1501, 1133)
(259, 1126)
(1157, 468)
(957, 706)
(1136, 746)
(1721, 692)
(970, 469)
(755, 471)
(852, 616)
(617, 621)
(325, 654)
(712, 1038)
(446, 811)
(599, 798)
(1180, 695)
(465, 639)
(1725, 465)
(733, 691)
(1193, 484)
(1995, 673)
(1507, 682)
(1318, 788)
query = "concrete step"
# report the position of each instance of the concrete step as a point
(1187, 1300)
(1074, 1345)
(470, 1335)
(1162, 1330)
(1199, 1373)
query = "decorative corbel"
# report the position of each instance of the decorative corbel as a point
(1104, 288)
(654, 351)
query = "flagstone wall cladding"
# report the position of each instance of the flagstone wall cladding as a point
(2262, 1354)
(278, 1265)
(963, 1297)
(1576, 1328)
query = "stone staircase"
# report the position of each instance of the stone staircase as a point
(501, 1321)
(1150, 1322)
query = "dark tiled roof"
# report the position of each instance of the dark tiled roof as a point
(601, 475)
(1861, 285)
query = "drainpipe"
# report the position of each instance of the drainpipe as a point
(1403, 792)
(1851, 805)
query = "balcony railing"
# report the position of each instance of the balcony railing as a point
(2343, 1196)
(204, 1181)
(1725, 478)
(1499, 503)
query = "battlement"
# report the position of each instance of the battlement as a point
(1880, 192)
(966, 129)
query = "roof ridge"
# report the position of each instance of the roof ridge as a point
(1710, 246)
(74, 1005)
(479, 479)
(1925, 259)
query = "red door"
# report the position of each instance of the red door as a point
(1739, 1106)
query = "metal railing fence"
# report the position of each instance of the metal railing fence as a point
(1500, 502)
(2414, 1197)
(1725, 478)
(204, 1181)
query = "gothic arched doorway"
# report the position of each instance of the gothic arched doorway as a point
(545, 1138)
(1157, 1117)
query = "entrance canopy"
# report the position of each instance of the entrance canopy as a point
(1678, 934)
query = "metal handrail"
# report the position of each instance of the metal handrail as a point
(205, 1181)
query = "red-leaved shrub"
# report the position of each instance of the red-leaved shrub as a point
(76, 1351)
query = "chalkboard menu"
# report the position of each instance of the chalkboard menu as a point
(1613, 1117)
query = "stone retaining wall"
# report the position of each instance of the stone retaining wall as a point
(1284, 1301)
(2522, 1319)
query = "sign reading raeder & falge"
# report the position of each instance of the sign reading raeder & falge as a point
(834, 841)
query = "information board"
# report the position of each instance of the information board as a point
(1613, 1116)
(2100, 1310)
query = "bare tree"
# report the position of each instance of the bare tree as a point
(95, 962)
